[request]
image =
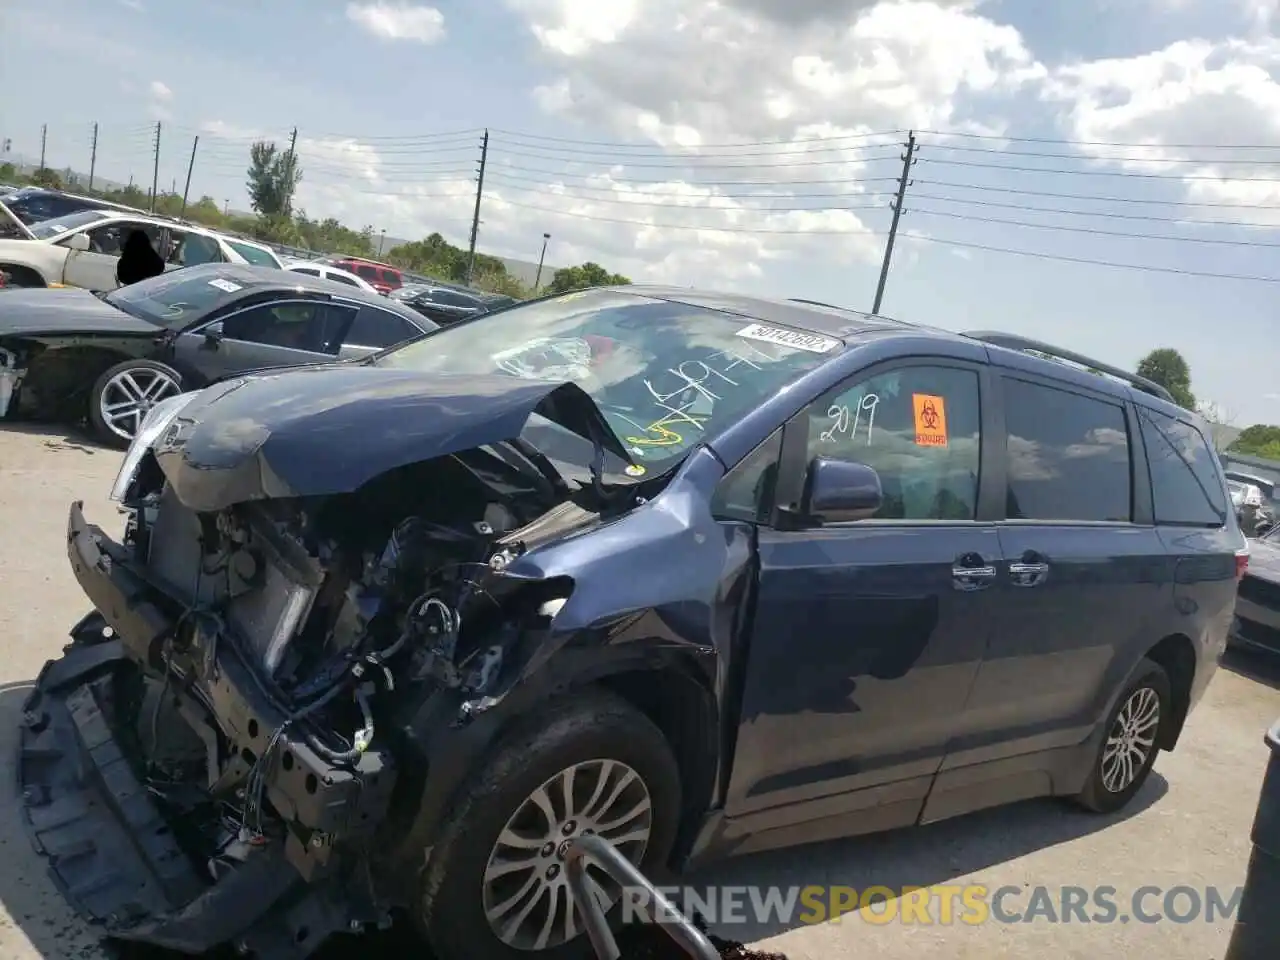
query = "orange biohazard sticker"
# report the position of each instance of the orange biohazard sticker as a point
(931, 420)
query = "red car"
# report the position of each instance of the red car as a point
(381, 276)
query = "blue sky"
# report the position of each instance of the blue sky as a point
(628, 112)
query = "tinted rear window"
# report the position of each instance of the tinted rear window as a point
(1068, 455)
(1185, 487)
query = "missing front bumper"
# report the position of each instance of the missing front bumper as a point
(108, 845)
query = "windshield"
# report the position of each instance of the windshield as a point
(51, 228)
(257, 255)
(177, 298)
(665, 375)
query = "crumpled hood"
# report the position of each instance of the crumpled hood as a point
(328, 430)
(34, 311)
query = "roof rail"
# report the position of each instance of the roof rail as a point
(1012, 341)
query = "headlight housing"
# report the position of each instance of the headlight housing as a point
(153, 425)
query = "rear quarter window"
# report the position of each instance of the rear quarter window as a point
(1186, 489)
(1067, 456)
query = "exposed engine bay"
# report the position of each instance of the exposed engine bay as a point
(280, 648)
(342, 607)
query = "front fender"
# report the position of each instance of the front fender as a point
(684, 620)
(45, 259)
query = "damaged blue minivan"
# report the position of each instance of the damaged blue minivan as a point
(699, 574)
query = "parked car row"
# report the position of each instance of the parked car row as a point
(83, 248)
(109, 358)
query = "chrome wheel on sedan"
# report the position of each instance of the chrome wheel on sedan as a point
(526, 894)
(1131, 740)
(125, 394)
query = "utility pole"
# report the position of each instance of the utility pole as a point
(537, 280)
(475, 218)
(155, 171)
(44, 138)
(908, 161)
(293, 146)
(190, 166)
(93, 157)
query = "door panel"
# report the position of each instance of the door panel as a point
(92, 271)
(864, 648)
(1081, 580)
(867, 636)
(278, 333)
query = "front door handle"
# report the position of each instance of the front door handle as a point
(970, 572)
(1028, 574)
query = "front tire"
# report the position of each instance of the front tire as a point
(123, 395)
(1129, 743)
(495, 887)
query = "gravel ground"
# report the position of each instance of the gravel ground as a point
(1189, 827)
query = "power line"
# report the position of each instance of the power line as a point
(1101, 173)
(1107, 214)
(1208, 161)
(1098, 143)
(685, 226)
(1038, 255)
(624, 145)
(696, 163)
(1084, 196)
(1094, 231)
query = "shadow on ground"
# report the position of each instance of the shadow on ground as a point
(59, 437)
(922, 857)
(1254, 665)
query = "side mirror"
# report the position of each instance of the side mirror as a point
(838, 491)
(213, 335)
(78, 241)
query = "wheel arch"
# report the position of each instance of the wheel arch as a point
(1176, 655)
(669, 691)
(23, 271)
(62, 377)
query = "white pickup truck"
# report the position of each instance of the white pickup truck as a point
(83, 248)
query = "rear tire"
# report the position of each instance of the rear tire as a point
(144, 381)
(471, 875)
(1130, 741)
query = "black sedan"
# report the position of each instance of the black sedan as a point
(1257, 620)
(110, 357)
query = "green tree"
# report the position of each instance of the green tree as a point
(583, 276)
(1167, 367)
(44, 177)
(1259, 440)
(273, 176)
(8, 172)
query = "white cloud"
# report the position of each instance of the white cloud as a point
(134, 5)
(398, 21)
(779, 74)
(1190, 92)
(159, 101)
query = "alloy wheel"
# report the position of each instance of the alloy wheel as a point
(129, 396)
(526, 894)
(1131, 740)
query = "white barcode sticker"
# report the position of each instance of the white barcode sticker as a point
(225, 285)
(799, 340)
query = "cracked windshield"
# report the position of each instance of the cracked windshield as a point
(665, 375)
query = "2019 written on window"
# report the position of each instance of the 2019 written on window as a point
(918, 428)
